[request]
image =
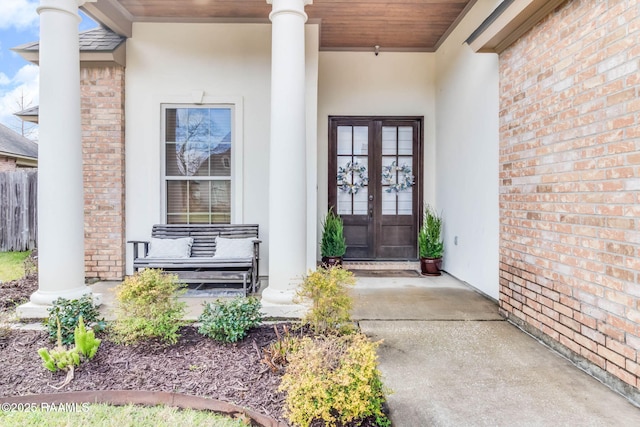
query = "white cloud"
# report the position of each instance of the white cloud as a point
(22, 90)
(4, 80)
(18, 14)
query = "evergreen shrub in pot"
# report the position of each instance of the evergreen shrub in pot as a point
(430, 243)
(333, 245)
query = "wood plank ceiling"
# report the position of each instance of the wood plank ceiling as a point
(396, 25)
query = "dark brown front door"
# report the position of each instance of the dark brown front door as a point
(375, 184)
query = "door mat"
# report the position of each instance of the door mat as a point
(385, 273)
(219, 290)
(213, 293)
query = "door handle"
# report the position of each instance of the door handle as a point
(370, 212)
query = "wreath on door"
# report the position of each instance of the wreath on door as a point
(405, 177)
(357, 173)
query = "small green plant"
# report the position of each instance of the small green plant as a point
(85, 340)
(334, 380)
(430, 241)
(62, 358)
(333, 242)
(67, 313)
(328, 291)
(229, 321)
(148, 307)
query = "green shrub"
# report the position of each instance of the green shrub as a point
(68, 312)
(333, 243)
(229, 321)
(328, 291)
(430, 243)
(148, 307)
(335, 380)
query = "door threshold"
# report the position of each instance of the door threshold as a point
(381, 265)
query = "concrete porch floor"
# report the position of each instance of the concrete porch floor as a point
(451, 360)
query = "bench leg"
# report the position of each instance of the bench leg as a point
(244, 283)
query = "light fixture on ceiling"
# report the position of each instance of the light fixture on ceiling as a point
(376, 49)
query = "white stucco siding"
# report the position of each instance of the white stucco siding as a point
(230, 63)
(467, 155)
(363, 84)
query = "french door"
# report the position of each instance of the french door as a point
(375, 184)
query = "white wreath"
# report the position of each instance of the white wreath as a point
(359, 178)
(405, 177)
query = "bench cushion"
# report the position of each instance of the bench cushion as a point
(170, 248)
(233, 248)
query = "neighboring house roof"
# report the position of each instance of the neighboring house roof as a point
(13, 144)
(29, 115)
(96, 45)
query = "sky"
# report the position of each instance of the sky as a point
(19, 24)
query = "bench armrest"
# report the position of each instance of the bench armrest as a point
(136, 249)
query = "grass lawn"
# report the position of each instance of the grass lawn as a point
(11, 267)
(81, 415)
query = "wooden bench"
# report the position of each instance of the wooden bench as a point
(201, 267)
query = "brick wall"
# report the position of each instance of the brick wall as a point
(102, 91)
(7, 164)
(570, 186)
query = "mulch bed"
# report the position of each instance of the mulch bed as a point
(17, 292)
(195, 365)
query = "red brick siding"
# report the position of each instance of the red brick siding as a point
(102, 91)
(7, 164)
(570, 181)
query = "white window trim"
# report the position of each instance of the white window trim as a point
(237, 146)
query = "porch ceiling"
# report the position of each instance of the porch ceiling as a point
(396, 25)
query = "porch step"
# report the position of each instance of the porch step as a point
(381, 265)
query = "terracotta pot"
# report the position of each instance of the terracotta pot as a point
(430, 266)
(331, 261)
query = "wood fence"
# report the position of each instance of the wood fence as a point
(18, 210)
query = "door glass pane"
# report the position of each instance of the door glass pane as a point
(388, 203)
(405, 140)
(345, 138)
(352, 170)
(405, 203)
(389, 140)
(361, 140)
(345, 203)
(360, 202)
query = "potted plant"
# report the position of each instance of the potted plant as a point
(333, 245)
(430, 243)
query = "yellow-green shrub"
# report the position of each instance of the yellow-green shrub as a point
(328, 291)
(148, 307)
(334, 379)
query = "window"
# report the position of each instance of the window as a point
(198, 144)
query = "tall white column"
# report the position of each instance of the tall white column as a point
(60, 187)
(287, 157)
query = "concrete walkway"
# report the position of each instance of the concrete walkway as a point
(451, 360)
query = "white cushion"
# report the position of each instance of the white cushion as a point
(234, 248)
(170, 248)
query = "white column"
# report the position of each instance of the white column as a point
(287, 158)
(60, 187)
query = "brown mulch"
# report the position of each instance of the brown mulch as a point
(195, 365)
(16, 292)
